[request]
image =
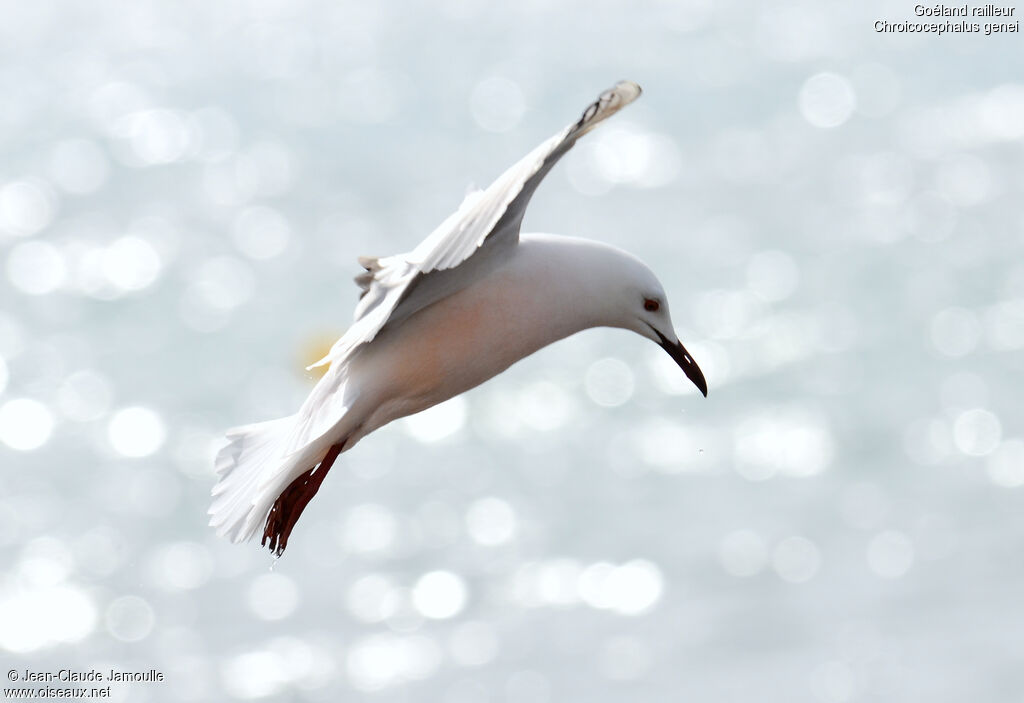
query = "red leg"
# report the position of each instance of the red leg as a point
(293, 500)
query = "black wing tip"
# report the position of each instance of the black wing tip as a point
(607, 104)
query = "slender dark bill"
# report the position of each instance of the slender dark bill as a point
(682, 357)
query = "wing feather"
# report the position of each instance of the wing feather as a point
(468, 244)
(496, 213)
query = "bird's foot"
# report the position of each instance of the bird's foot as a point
(293, 500)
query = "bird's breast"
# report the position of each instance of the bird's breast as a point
(459, 342)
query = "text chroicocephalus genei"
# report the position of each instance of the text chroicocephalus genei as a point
(472, 299)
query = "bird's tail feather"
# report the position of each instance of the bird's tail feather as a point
(247, 468)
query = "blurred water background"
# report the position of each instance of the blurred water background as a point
(836, 214)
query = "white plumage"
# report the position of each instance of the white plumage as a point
(472, 299)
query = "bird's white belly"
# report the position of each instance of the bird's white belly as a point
(456, 344)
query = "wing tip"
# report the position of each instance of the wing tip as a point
(629, 90)
(370, 263)
(607, 104)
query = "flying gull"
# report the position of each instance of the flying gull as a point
(472, 299)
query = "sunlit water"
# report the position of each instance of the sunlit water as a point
(836, 216)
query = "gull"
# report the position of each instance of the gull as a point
(472, 299)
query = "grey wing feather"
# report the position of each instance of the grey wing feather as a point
(473, 238)
(365, 279)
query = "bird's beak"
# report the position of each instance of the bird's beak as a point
(682, 357)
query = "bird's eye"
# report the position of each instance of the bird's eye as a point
(651, 305)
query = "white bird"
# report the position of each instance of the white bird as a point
(472, 299)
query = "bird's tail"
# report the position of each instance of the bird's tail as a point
(263, 485)
(249, 469)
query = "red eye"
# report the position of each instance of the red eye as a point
(651, 305)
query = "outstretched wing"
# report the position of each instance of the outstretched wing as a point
(467, 245)
(470, 241)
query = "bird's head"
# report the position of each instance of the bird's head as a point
(638, 303)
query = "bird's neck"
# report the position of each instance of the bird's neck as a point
(566, 279)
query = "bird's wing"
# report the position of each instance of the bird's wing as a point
(470, 241)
